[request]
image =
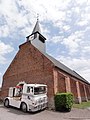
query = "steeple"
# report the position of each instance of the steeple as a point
(36, 38)
(37, 27)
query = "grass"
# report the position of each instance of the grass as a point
(82, 105)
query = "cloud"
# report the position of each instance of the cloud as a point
(13, 19)
(86, 49)
(4, 49)
(19, 14)
(56, 39)
(2, 59)
(82, 23)
(66, 27)
(85, 73)
(83, 13)
(4, 31)
(73, 41)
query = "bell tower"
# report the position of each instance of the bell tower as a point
(37, 39)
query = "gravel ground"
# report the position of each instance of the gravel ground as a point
(15, 114)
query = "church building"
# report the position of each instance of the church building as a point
(33, 65)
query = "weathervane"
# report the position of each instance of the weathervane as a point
(37, 16)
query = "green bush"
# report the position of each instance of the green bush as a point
(63, 101)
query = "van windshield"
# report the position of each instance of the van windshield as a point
(39, 90)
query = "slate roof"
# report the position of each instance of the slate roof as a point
(65, 68)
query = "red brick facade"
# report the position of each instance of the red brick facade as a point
(31, 66)
(73, 87)
(61, 83)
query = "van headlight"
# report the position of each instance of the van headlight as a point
(35, 102)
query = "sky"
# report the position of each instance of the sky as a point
(64, 23)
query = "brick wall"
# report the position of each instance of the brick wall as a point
(87, 87)
(82, 92)
(73, 88)
(61, 83)
(31, 66)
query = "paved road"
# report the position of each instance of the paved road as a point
(15, 114)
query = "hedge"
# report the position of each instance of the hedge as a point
(63, 101)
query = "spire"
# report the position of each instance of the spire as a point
(37, 27)
(36, 38)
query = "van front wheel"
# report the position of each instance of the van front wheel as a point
(6, 103)
(24, 107)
